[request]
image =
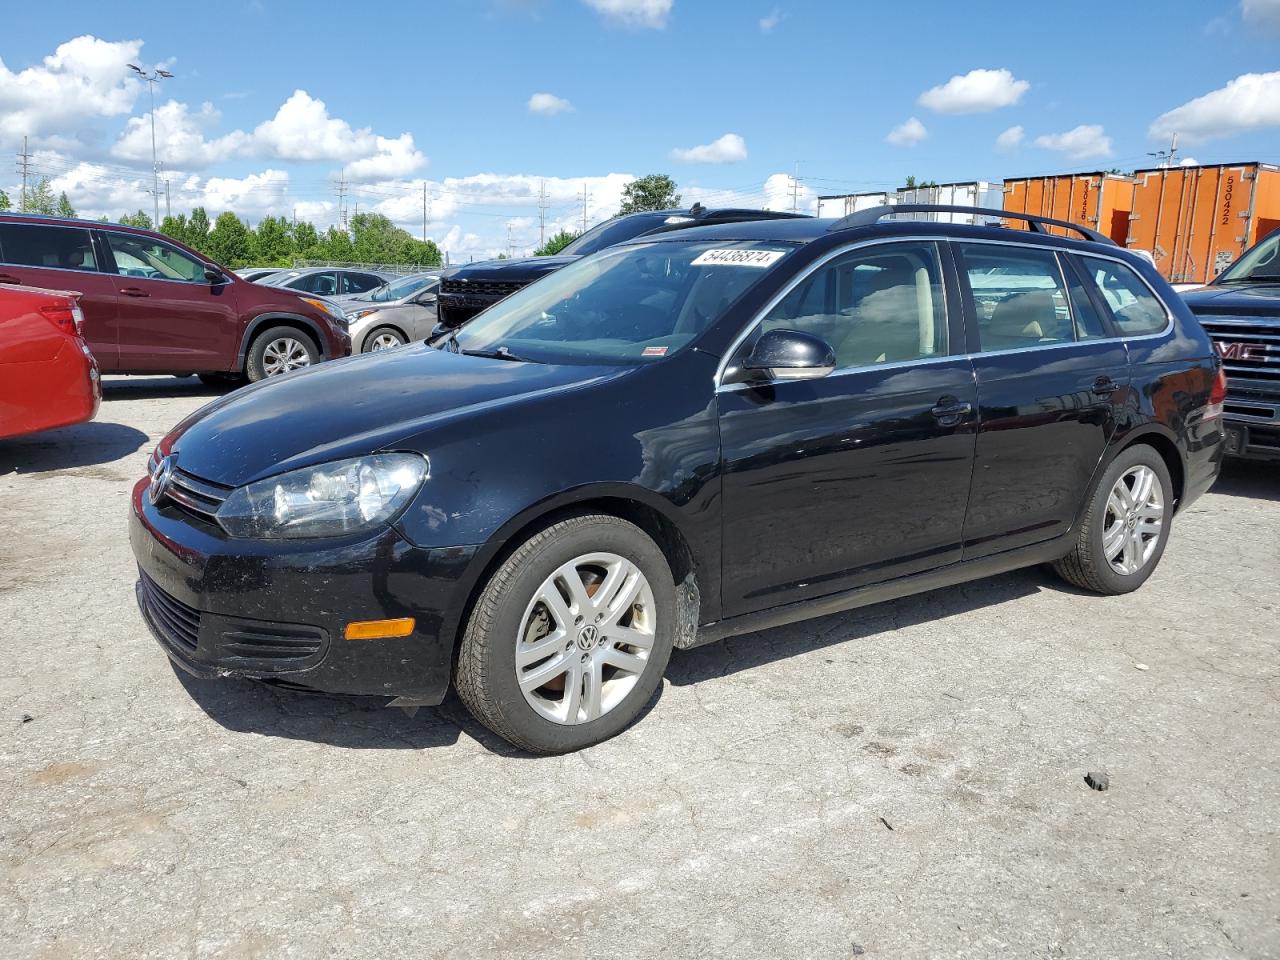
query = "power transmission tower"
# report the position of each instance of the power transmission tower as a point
(1166, 158)
(795, 189)
(511, 247)
(542, 212)
(24, 163)
(585, 197)
(342, 198)
(424, 211)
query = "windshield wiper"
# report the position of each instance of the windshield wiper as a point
(500, 353)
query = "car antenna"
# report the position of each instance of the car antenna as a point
(697, 209)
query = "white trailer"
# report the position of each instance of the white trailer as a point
(973, 193)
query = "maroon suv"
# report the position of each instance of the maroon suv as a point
(152, 305)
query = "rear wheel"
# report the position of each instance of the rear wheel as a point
(1125, 530)
(569, 639)
(383, 338)
(280, 350)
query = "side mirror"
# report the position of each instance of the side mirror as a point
(214, 275)
(791, 355)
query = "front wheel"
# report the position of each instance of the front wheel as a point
(383, 338)
(569, 639)
(1126, 526)
(280, 350)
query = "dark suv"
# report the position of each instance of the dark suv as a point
(475, 287)
(699, 434)
(1241, 312)
(152, 305)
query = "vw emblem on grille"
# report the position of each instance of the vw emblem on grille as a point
(160, 479)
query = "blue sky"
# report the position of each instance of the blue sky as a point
(398, 94)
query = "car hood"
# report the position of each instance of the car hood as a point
(1244, 299)
(348, 408)
(524, 268)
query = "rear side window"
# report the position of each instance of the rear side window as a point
(1136, 309)
(60, 248)
(361, 282)
(1019, 295)
(878, 305)
(325, 284)
(149, 259)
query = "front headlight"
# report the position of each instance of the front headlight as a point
(327, 500)
(361, 314)
(332, 309)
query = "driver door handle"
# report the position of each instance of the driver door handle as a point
(1105, 386)
(134, 292)
(951, 410)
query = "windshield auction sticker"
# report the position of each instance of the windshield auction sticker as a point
(739, 258)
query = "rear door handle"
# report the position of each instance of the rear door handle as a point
(950, 410)
(1105, 386)
(134, 292)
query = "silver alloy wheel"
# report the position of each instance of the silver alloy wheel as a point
(585, 638)
(284, 354)
(385, 341)
(1134, 520)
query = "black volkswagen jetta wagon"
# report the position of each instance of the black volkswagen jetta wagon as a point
(676, 440)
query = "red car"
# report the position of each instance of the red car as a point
(152, 305)
(48, 377)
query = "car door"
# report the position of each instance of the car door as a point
(1052, 380)
(64, 258)
(863, 475)
(421, 312)
(170, 318)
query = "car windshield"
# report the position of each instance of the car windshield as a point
(629, 305)
(1259, 265)
(405, 287)
(607, 234)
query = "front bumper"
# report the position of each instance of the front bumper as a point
(1252, 425)
(221, 607)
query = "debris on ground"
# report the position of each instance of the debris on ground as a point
(886, 823)
(1097, 780)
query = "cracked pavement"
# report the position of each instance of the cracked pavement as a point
(905, 780)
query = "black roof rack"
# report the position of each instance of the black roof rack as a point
(864, 218)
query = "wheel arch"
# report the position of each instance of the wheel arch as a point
(1165, 445)
(304, 325)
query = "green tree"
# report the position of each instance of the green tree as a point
(175, 227)
(336, 245)
(65, 209)
(230, 242)
(139, 220)
(273, 243)
(4, 200)
(306, 241)
(197, 237)
(555, 244)
(40, 200)
(657, 191)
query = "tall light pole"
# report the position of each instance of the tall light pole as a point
(152, 79)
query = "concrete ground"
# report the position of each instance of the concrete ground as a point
(902, 781)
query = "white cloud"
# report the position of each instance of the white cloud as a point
(774, 18)
(774, 194)
(1188, 162)
(392, 158)
(1010, 138)
(975, 92)
(907, 134)
(84, 78)
(548, 104)
(729, 148)
(1080, 143)
(634, 14)
(181, 135)
(1263, 13)
(1249, 101)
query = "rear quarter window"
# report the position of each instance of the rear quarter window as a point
(59, 248)
(1136, 310)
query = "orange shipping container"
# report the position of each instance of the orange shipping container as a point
(1098, 200)
(1196, 220)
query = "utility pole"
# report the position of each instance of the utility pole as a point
(152, 79)
(424, 211)
(585, 197)
(511, 247)
(795, 189)
(1166, 158)
(24, 164)
(168, 211)
(342, 198)
(542, 212)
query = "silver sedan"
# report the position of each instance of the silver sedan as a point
(397, 313)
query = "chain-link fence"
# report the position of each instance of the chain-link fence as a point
(399, 269)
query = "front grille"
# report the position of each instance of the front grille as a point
(277, 642)
(1250, 351)
(489, 289)
(200, 498)
(178, 623)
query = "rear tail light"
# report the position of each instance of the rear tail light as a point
(64, 316)
(1217, 396)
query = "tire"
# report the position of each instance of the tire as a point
(384, 335)
(267, 357)
(1094, 563)
(508, 613)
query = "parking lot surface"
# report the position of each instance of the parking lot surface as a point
(905, 780)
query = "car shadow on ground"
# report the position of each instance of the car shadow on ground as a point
(752, 650)
(83, 445)
(152, 388)
(1254, 479)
